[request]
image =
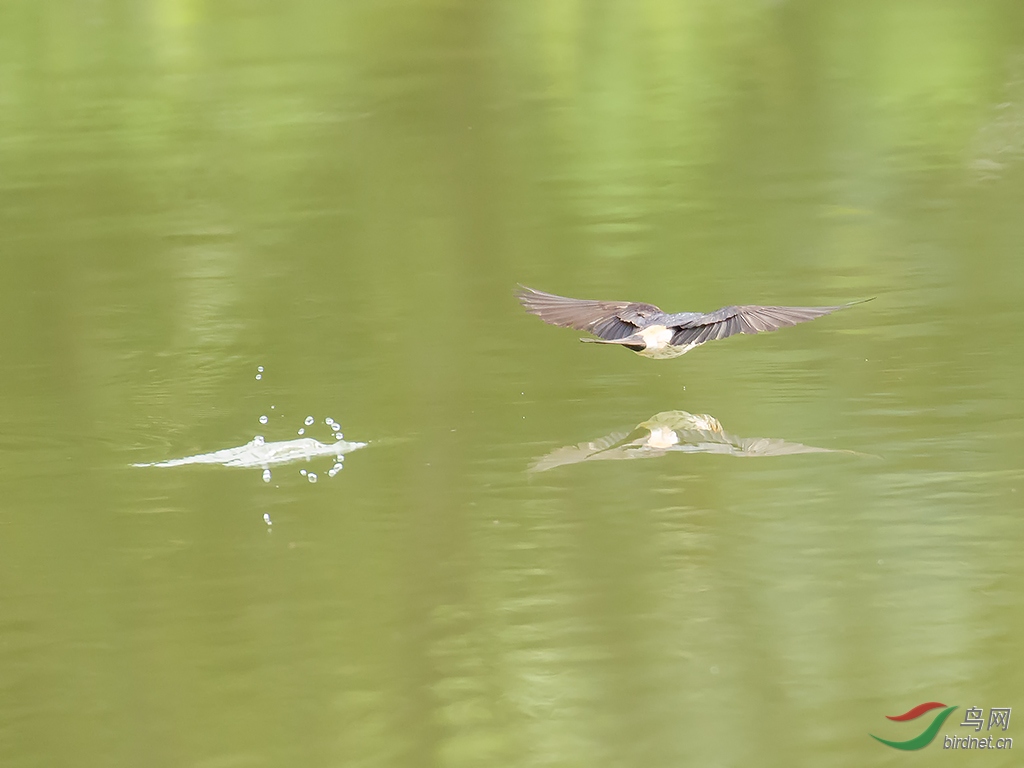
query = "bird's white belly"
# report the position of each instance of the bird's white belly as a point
(658, 339)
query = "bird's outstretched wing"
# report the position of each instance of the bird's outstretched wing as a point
(729, 321)
(607, 319)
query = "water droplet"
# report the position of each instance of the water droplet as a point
(302, 472)
(259, 368)
(266, 479)
(338, 467)
(302, 431)
(329, 421)
(309, 421)
(264, 419)
(273, 407)
(311, 477)
(259, 376)
(258, 440)
(266, 518)
(332, 472)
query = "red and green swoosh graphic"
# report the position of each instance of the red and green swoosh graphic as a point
(925, 737)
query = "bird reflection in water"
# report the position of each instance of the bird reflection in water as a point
(672, 431)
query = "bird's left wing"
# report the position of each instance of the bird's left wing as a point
(729, 321)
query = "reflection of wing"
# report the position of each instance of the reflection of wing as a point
(608, 319)
(766, 446)
(745, 446)
(574, 454)
(729, 321)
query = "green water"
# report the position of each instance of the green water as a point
(347, 194)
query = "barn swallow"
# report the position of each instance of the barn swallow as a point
(650, 332)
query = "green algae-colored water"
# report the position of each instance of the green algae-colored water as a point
(346, 194)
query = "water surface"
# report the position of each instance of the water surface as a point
(347, 195)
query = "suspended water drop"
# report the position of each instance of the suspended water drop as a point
(266, 479)
(259, 368)
(302, 431)
(259, 376)
(258, 440)
(311, 477)
(302, 472)
(264, 419)
(332, 472)
(309, 421)
(266, 518)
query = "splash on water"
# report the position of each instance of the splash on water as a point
(259, 454)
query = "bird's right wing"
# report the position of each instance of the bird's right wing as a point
(607, 319)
